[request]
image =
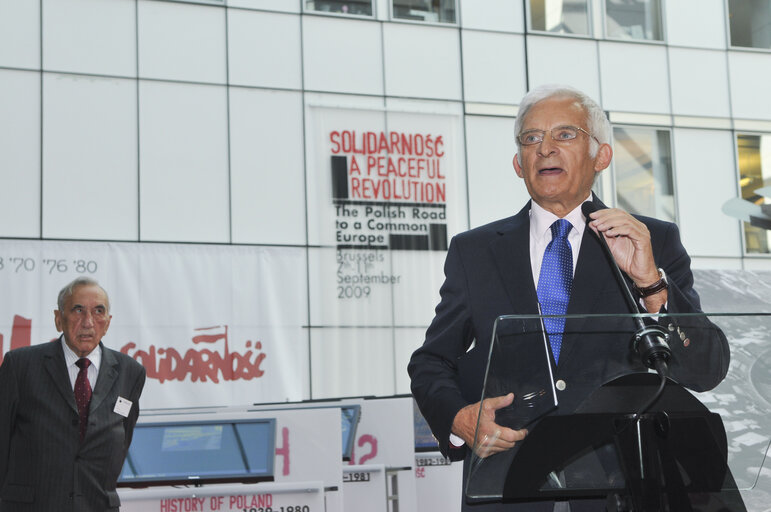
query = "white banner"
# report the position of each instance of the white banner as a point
(213, 325)
(389, 193)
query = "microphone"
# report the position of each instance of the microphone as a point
(650, 342)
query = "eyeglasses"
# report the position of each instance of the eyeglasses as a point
(563, 134)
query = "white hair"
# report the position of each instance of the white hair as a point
(69, 289)
(596, 121)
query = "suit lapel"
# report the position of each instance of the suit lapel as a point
(108, 373)
(511, 253)
(56, 367)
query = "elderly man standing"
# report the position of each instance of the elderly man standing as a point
(510, 267)
(67, 412)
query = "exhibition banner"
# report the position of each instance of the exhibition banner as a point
(387, 190)
(212, 325)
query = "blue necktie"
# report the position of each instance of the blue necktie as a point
(555, 282)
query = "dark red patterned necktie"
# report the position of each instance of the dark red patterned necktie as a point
(83, 394)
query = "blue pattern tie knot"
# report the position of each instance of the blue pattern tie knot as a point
(555, 283)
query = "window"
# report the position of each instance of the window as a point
(560, 16)
(633, 19)
(754, 152)
(750, 23)
(360, 7)
(643, 167)
(440, 11)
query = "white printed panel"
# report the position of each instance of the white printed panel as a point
(89, 158)
(264, 49)
(709, 32)
(384, 161)
(634, 78)
(259, 498)
(484, 78)
(437, 161)
(342, 55)
(90, 36)
(439, 483)
(267, 174)
(388, 193)
(351, 287)
(20, 34)
(422, 61)
(365, 489)
(559, 60)
(212, 325)
(699, 82)
(498, 15)
(19, 152)
(327, 178)
(346, 361)
(184, 193)
(309, 445)
(417, 294)
(386, 433)
(179, 41)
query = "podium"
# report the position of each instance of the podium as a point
(635, 442)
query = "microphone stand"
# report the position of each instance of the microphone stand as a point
(651, 345)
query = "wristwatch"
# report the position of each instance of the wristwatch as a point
(661, 284)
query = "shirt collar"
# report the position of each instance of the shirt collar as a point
(71, 357)
(541, 220)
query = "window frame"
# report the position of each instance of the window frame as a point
(738, 176)
(394, 19)
(728, 32)
(590, 18)
(335, 14)
(615, 178)
(662, 22)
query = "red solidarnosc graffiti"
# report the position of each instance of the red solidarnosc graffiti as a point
(364, 439)
(21, 334)
(283, 450)
(168, 364)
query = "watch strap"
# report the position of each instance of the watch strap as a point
(656, 287)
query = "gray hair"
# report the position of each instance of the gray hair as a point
(596, 121)
(68, 290)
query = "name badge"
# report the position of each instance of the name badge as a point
(123, 407)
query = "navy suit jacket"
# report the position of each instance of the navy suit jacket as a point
(488, 274)
(43, 464)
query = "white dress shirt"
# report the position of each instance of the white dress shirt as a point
(540, 235)
(71, 358)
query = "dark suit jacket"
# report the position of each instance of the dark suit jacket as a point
(488, 274)
(43, 465)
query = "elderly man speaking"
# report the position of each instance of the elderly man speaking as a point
(543, 259)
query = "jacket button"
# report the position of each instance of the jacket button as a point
(560, 384)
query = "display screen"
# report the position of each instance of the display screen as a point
(200, 452)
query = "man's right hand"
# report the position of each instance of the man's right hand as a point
(492, 438)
